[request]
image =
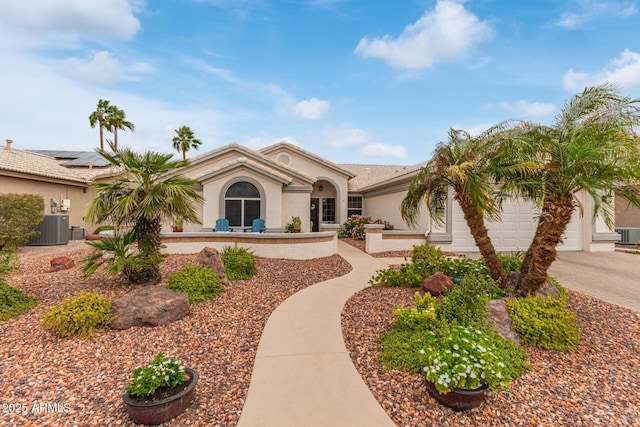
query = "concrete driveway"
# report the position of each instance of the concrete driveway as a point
(610, 276)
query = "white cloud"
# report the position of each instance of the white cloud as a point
(78, 18)
(103, 69)
(590, 10)
(446, 33)
(623, 71)
(383, 150)
(525, 109)
(313, 109)
(344, 137)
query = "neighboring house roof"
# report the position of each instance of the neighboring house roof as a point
(75, 158)
(257, 157)
(369, 176)
(36, 165)
(290, 147)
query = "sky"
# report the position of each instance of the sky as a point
(354, 81)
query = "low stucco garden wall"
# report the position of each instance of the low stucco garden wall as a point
(266, 245)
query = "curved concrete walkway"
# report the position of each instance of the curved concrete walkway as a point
(303, 374)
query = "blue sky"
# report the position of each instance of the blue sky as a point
(376, 82)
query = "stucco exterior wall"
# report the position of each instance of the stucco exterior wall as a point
(387, 207)
(296, 203)
(79, 196)
(626, 215)
(334, 183)
(214, 190)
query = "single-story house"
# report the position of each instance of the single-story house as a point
(283, 180)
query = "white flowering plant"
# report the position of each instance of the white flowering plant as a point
(464, 358)
(162, 372)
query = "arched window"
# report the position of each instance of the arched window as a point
(242, 204)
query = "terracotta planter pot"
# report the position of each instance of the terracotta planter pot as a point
(157, 412)
(295, 230)
(458, 399)
(177, 230)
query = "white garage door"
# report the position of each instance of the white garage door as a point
(515, 231)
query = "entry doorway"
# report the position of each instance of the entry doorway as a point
(315, 215)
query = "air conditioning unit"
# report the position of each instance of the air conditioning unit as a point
(629, 235)
(53, 230)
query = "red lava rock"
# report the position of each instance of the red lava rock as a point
(61, 263)
(436, 284)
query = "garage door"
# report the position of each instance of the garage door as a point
(515, 231)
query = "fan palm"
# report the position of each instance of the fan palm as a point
(115, 119)
(462, 165)
(185, 140)
(591, 146)
(98, 117)
(147, 192)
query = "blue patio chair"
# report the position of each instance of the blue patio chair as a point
(258, 226)
(222, 224)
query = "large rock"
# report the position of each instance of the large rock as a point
(437, 283)
(211, 258)
(149, 306)
(61, 263)
(502, 324)
(547, 290)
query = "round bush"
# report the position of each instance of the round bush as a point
(79, 315)
(239, 263)
(199, 282)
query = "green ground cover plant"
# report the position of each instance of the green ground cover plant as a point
(79, 315)
(199, 282)
(239, 263)
(13, 301)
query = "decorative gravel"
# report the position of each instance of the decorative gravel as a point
(597, 385)
(68, 382)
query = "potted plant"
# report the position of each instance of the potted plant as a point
(177, 227)
(296, 224)
(160, 391)
(461, 364)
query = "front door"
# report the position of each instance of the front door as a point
(315, 223)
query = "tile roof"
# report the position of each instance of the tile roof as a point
(369, 175)
(75, 158)
(29, 163)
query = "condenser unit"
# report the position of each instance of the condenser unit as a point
(53, 230)
(629, 235)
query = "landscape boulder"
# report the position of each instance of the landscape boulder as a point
(502, 324)
(436, 284)
(211, 258)
(61, 263)
(149, 306)
(547, 290)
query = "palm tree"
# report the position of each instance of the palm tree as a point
(184, 141)
(98, 117)
(147, 192)
(591, 146)
(115, 119)
(462, 165)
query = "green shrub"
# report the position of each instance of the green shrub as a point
(162, 372)
(420, 316)
(20, 215)
(13, 301)
(400, 348)
(410, 275)
(465, 304)
(511, 262)
(239, 263)
(199, 282)
(354, 226)
(545, 323)
(79, 315)
(426, 252)
(9, 260)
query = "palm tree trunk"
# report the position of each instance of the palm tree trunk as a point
(101, 134)
(115, 138)
(554, 218)
(481, 237)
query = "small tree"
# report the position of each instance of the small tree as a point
(20, 215)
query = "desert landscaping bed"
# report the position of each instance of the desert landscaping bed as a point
(599, 384)
(69, 382)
